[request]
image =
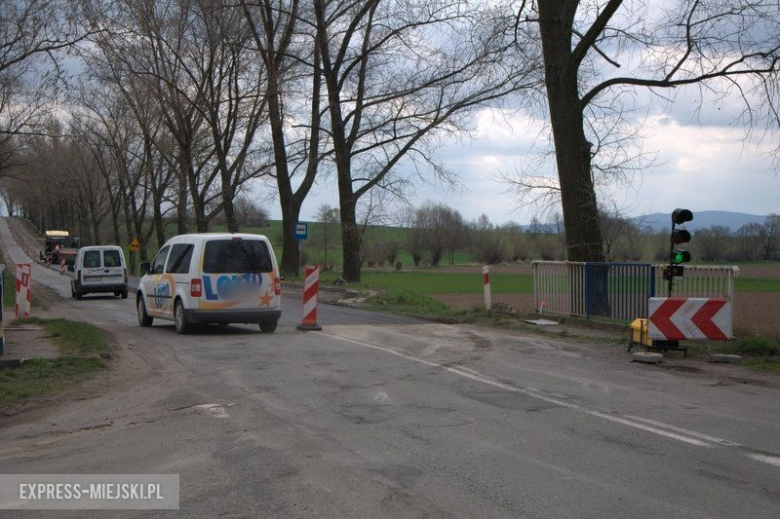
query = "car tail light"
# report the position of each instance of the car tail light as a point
(277, 286)
(196, 288)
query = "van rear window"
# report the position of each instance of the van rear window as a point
(92, 259)
(236, 256)
(111, 258)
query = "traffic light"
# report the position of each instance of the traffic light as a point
(679, 236)
(680, 256)
(677, 256)
(681, 216)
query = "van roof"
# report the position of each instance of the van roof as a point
(221, 235)
(100, 247)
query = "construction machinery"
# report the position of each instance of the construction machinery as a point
(60, 246)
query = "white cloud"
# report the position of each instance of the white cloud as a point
(709, 167)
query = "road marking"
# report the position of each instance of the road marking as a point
(536, 394)
(714, 439)
(772, 460)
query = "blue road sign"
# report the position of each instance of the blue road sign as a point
(301, 231)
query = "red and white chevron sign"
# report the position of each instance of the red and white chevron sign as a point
(677, 318)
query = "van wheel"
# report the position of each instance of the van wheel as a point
(268, 326)
(124, 294)
(182, 326)
(72, 292)
(144, 319)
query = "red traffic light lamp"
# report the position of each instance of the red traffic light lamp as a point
(681, 216)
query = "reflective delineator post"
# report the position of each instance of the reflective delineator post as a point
(311, 285)
(62, 267)
(486, 283)
(23, 293)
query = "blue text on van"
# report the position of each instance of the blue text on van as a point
(231, 287)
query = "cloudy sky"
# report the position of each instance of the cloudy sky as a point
(705, 161)
(706, 158)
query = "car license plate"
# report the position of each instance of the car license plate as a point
(94, 279)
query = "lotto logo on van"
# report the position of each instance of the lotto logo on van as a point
(162, 295)
(236, 286)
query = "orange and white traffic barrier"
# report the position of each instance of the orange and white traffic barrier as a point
(311, 286)
(486, 284)
(23, 293)
(62, 267)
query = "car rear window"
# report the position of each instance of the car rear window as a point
(236, 256)
(92, 259)
(111, 259)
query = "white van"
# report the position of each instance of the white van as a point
(99, 269)
(211, 278)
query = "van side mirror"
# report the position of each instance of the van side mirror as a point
(145, 267)
(71, 268)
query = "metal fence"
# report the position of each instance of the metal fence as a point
(620, 291)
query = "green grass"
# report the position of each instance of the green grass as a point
(83, 347)
(753, 347)
(770, 365)
(413, 304)
(431, 282)
(757, 285)
(74, 338)
(40, 377)
(759, 353)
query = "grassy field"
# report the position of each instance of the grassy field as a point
(432, 282)
(84, 348)
(757, 285)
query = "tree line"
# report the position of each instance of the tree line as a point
(437, 235)
(180, 106)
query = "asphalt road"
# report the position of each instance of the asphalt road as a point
(381, 416)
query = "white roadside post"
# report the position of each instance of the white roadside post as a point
(23, 293)
(486, 283)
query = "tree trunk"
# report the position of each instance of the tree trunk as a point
(181, 206)
(201, 221)
(350, 241)
(229, 209)
(290, 254)
(572, 149)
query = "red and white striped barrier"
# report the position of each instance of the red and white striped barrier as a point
(62, 267)
(23, 293)
(677, 318)
(486, 284)
(311, 285)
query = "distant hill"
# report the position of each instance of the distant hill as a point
(702, 220)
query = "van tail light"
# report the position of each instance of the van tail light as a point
(196, 288)
(78, 277)
(125, 276)
(277, 286)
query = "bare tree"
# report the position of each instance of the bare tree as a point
(772, 236)
(726, 47)
(713, 243)
(750, 238)
(193, 58)
(397, 75)
(293, 90)
(34, 35)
